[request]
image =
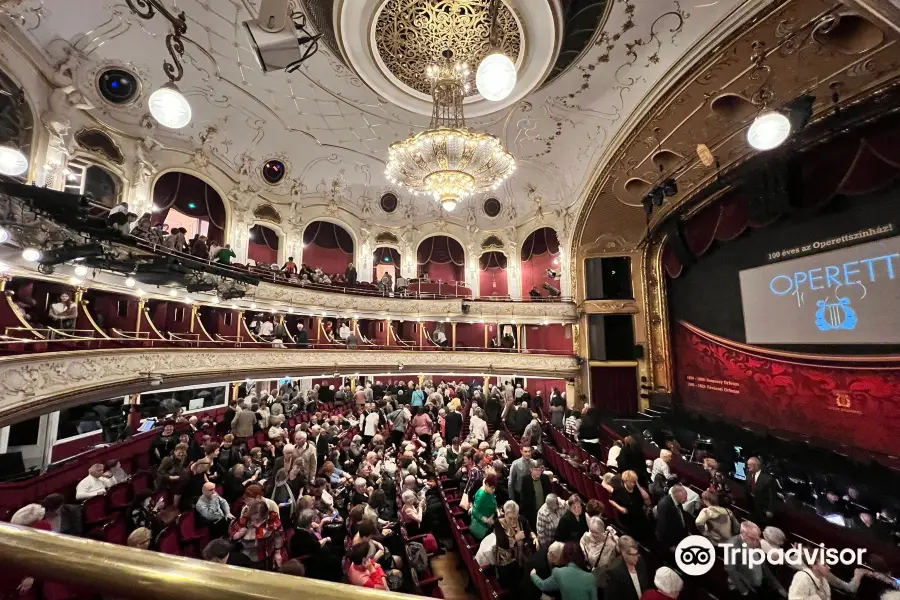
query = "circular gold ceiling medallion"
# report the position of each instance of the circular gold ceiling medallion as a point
(411, 34)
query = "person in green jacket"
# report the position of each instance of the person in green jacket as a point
(225, 254)
(484, 508)
(573, 580)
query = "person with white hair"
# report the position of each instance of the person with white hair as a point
(548, 518)
(411, 511)
(747, 578)
(668, 585)
(515, 543)
(478, 427)
(599, 545)
(661, 465)
(31, 515)
(95, 484)
(811, 582)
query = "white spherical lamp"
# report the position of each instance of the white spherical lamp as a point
(769, 130)
(496, 77)
(449, 204)
(12, 162)
(169, 106)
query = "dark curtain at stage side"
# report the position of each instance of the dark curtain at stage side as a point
(327, 246)
(263, 248)
(442, 257)
(614, 390)
(540, 252)
(492, 275)
(180, 190)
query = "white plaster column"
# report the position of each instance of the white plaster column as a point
(565, 277)
(240, 241)
(513, 273)
(365, 262)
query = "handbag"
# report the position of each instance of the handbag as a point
(464, 502)
(600, 573)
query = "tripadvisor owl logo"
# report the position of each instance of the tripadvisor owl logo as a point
(695, 555)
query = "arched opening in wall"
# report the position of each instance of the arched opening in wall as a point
(182, 200)
(327, 246)
(262, 246)
(84, 177)
(441, 258)
(492, 275)
(16, 126)
(540, 257)
(386, 261)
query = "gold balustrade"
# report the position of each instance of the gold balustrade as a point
(128, 573)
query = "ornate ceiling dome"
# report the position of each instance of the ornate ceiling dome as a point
(410, 35)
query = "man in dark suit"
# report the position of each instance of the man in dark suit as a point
(533, 492)
(301, 339)
(760, 492)
(621, 585)
(453, 424)
(671, 522)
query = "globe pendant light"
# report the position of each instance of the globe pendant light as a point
(496, 76)
(169, 107)
(769, 130)
(12, 162)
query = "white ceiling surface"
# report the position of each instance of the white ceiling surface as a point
(328, 124)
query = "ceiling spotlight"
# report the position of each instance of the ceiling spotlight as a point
(130, 282)
(290, 309)
(76, 280)
(495, 77)
(4, 235)
(769, 130)
(31, 254)
(169, 106)
(173, 292)
(140, 292)
(12, 161)
(81, 271)
(188, 300)
(253, 305)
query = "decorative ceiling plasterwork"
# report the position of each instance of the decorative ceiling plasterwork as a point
(817, 47)
(40, 383)
(410, 35)
(331, 126)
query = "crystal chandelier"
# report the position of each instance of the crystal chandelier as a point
(448, 160)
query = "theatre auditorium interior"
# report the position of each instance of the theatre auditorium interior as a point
(464, 299)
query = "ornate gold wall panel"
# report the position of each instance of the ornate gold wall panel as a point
(36, 384)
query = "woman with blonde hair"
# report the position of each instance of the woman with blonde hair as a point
(628, 501)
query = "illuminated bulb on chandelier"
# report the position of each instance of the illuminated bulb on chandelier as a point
(12, 161)
(130, 282)
(449, 204)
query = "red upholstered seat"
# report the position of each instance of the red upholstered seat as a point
(94, 511)
(119, 496)
(116, 531)
(141, 481)
(167, 541)
(187, 527)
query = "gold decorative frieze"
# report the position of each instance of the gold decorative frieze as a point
(605, 307)
(35, 384)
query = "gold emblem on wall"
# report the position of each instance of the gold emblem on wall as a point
(842, 400)
(410, 35)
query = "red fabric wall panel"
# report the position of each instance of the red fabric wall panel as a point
(534, 273)
(548, 337)
(493, 282)
(836, 403)
(263, 255)
(442, 272)
(330, 260)
(469, 335)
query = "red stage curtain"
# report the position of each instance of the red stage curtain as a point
(614, 390)
(179, 191)
(442, 257)
(327, 246)
(492, 274)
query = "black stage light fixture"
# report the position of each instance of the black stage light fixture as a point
(232, 294)
(670, 188)
(799, 111)
(70, 251)
(200, 287)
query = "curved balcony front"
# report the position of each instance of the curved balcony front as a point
(34, 384)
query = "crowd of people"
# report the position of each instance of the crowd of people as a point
(339, 496)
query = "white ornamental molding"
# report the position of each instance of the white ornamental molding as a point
(36, 384)
(399, 308)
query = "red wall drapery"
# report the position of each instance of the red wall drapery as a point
(492, 275)
(540, 252)
(614, 390)
(263, 246)
(442, 257)
(327, 246)
(180, 190)
(548, 337)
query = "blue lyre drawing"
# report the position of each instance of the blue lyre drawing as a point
(835, 315)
